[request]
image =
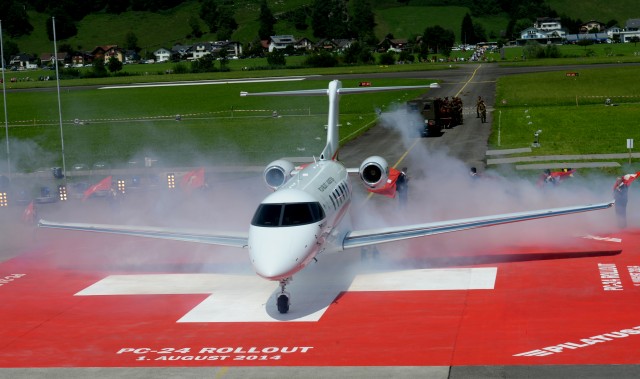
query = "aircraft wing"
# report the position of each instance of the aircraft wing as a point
(186, 235)
(369, 237)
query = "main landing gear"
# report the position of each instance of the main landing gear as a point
(283, 297)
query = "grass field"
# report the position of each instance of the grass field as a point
(411, 21)
(217, 127)
(598, 10)
(570, 111)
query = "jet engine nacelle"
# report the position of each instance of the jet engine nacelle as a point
(277, 173)
(374, 171)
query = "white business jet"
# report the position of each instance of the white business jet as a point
(303, 216)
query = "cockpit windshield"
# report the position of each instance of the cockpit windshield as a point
(289, 214)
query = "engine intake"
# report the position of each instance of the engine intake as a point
(277, 173)
(374, 171)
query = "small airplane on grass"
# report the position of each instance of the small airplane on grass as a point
(303, 216)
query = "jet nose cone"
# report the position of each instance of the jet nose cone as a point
(277, 254)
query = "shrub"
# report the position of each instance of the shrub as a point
(322, 59)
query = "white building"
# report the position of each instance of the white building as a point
(281, 42)
(162, 55)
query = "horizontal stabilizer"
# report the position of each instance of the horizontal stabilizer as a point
(340, 91)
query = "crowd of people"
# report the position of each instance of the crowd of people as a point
(449, 111)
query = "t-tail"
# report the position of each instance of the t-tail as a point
(334, 91)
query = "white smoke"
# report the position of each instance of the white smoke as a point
(441, 188)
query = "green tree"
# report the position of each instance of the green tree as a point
(65, 26)
(267, 21)
(319, 20)
(10, 49)
(351, 54)
(357, 52)
(299, 18)
(321, 59)
(254, 49)
(227, 23)
(438, 40)
(223, 55)
(210, 15)
(480, 33)
(467, 31)
(363, 20)
(519, 26)
(204, 64)
(15, 20)
(406, 56)
(276, 58)
(114, 64)
(387, 58)
(330, 19)
(194, 23)
(99, 70)
(131, 42)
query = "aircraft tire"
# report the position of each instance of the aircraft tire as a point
(283, 303)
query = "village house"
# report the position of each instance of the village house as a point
(199, 50)
(23, 61)
(541, 36)
(162, 55)
(281, 42)
(106, 52)
(592, 26)
(49, 59)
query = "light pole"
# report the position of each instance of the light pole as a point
(55, 55)
(4, 98)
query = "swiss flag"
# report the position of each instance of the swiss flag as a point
(103, 185)
(629, 178)
(192, 180)
(389, 188)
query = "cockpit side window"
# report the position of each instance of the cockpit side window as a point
(296, 214)
(267, 215)
(290, 214)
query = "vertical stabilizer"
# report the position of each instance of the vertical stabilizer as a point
(331, 148)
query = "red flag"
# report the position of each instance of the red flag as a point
(629, 178)
(192, 180)
(554, 177)
(389, 188)
(560, 175)
(103, 185)
(29, 214)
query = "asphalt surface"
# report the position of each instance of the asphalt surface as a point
(468, 143)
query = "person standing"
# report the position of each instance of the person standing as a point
(402, 187)
(620, 195)
(483, 111)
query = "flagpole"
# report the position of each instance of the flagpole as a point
(55, 58)
(4, 98)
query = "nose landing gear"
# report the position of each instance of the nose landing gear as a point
(283, 298)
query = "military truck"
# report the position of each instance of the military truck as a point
(437, 114)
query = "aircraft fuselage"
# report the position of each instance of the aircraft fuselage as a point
(296, 222)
